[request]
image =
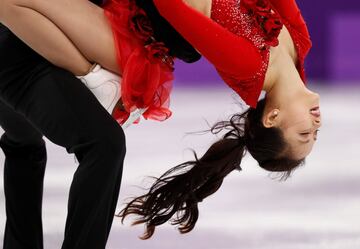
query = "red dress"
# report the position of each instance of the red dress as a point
(260, 22)
(147, 69)
(236, 40)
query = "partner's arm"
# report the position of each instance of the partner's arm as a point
(231, 54)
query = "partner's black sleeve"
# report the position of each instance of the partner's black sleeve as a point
(14, 52)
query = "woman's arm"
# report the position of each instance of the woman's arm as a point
(229, 53)
(289, 11)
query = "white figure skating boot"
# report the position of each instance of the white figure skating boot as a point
(106, 86)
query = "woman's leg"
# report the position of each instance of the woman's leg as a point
(53, 27)
(45, 38)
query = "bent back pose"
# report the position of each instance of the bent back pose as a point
(254, 45)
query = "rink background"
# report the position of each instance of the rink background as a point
(317, 208)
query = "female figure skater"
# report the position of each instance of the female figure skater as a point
(254, 45)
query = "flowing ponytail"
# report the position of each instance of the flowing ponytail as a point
(180, 189)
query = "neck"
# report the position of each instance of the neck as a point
(284, 83)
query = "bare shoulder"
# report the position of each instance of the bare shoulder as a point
(204, 6)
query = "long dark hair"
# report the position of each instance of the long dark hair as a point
(164, 32)
(180, 189)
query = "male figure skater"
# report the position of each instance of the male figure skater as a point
(36, 99)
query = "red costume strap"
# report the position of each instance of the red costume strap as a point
(289, 11)
(229, 53)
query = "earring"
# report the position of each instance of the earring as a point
(275, 112)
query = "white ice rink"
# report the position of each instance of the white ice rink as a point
(317, 208)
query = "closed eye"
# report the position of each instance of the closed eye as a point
(306, 134)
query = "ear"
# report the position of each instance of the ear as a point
(270, 118)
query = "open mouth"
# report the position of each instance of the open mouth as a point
(315, 111)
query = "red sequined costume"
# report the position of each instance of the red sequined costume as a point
(236, 39)
(260, 22)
